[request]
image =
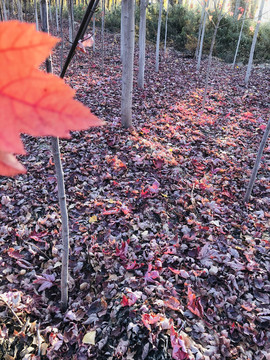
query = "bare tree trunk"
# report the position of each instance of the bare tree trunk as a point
(142, 33)
(70, 20)
(94, 32)
(236, 9)
(56, 16)
(36, 14)
(50, 10)
(102, 35)
(200, 31)
(202, 37)
(158, 35)
(239, 38)
(211, 51)
(128, 62)
(61, 33)
(257, 163)
(3, 5)
(60, 185)
(166, 28)
(20, 13)
(254, 40)
(122, 32)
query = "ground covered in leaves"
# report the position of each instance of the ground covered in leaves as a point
(166, 261)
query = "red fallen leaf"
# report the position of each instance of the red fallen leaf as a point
(133, 265)
(129, 300)
(262, 127)
(87, 41)
(46, 281)
(247, 115)
(151, 319)
(158, 163)
(177, 272)
(151, 275)
(111, 211)
(179, 349)
(153, 189)
(125, 209)
(37, 236)
(14, 253)
(194, 305)
(122, 252)
(9, 165)
(172, 303)
(145, 130)
(31, 101)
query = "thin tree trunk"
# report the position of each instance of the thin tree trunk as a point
(158, 35)
(122, 32)
(128, 62)
(4, 10)
(12, 9)
(60, 185)
(56, 16)
(40, 11)
(239, 39)
(102, 35)
(50, 11)
(142, 33)
(254, 40)
(71, 20)
(166, 29)
(257, 163)
(36, 14)
(236, 9)
(19, 6)
(94, 32)
(200, 31)
(61, 34)
(202, 37)
(211, 53)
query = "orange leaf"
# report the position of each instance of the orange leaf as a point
(9, 165)
(21, 44)
(31, 101)
(172, 303)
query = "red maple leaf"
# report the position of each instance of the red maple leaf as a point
(179, 349)
(194, 304)
(31, 101)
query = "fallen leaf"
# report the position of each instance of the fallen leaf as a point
(89, 338)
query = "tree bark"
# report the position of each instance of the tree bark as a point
(166, 28)
(127, 62)
(257, 163)
(239, 38)
(254, 40)
(142, 33)
(211, 51)
(158, 35)
(200, 31)
(94, 32)
(202, 37)
(60, 185)
(36, 14)
(102, 35)
(56, 16)
(5, 17)
(70, 20)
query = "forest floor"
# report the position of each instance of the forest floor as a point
(166, 260)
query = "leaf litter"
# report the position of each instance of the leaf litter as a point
(166, 262)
